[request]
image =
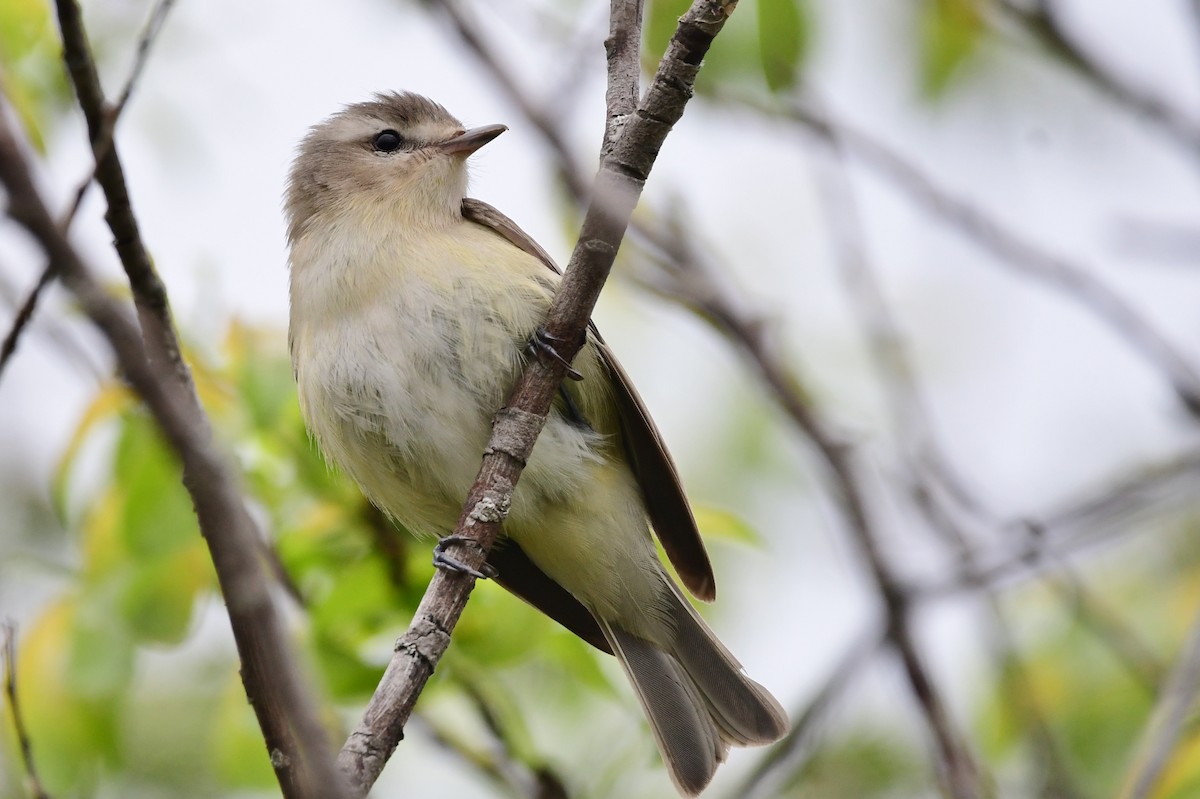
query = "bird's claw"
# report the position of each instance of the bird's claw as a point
(443, 561)
(543, 343)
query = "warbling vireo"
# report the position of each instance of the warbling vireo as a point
(412, 308)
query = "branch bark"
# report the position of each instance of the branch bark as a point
(286, 711)
(24, 744)
(100, 147)
(1171, 712)
(622, 174)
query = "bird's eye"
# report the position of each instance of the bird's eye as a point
(387, 141)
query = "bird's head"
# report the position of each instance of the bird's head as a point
(400, 156)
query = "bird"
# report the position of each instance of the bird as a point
(412, 310)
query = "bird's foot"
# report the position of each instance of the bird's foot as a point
(542, 345)
(443, 561)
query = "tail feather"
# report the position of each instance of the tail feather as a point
(696, 697)
(691, 744)
(744, 710)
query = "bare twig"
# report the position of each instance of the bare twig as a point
(787, 758)
(542, 118)
(624, 48)
(100, 149)
(283, 703)
(1122, 640)
(1114, 508)
(23, 317)
(693, 284)
(719, 308)
(1074, 280)
(32, 781)
(1174, 706)
(1042, 22)
(497, 762)
(150, 296)
(912, 423)
(622, 174)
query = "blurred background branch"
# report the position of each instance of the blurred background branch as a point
(1020, 487)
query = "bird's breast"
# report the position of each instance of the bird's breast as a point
(404, 351)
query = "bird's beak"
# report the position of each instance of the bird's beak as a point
(470, 141)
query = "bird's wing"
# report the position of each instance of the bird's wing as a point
(662, 491)
(516, 572)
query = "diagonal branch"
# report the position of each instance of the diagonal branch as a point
(623, 171)
(1070, 278)
(284, 704)
(691, 280)
(1042, 21)
(294, 735)
(102, 144)
(499, 69)
(785, 760)
(149, 294)
(9, 655)
(920, 445)
(1171, 712)
(695, 284)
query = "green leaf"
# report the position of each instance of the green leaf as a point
(951, 31)
(157, 599)
(661, 20)
(346, 676)
(33, 79)
(74, 733)
(238, 751)
(782, 41)
(732, 60)
(725, 525)
(158, 517)
(100, 661)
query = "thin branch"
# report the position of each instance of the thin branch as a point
(786, 760)
(1072, 279)
(1112, 509)
(1174, 706)
(541, 117)
(65, 339)
(913, 425)
(1123, 640)
(100, 149)
(624, 49)
(498, 762)
(622, 174)
(285, 708)
(149, 294)
(1042, 22)
(716, 305)
(32, 781)
(23, 318)
(692, 283)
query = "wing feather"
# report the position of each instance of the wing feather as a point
(662, 490)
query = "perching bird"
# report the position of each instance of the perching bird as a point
(412, 310)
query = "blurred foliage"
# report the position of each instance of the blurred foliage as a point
(31, 73)
(765, 47)
(951, 32)
(128, 677)
(94, 696)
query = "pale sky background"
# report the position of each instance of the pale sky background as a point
(1035, 400)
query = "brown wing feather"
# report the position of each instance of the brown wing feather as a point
(663, 493)
(517, 573)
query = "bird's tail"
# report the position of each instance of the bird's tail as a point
(698, 699)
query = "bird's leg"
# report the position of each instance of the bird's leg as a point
(542, 345)
(443, 561)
